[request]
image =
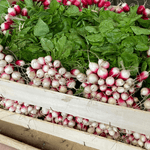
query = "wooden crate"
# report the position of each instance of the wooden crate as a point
(125, 118)
(70, 134)
(14, 144)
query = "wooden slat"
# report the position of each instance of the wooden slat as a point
(15, 144)
(80, 137)
(125, 118)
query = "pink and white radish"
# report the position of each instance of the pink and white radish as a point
(11, 11)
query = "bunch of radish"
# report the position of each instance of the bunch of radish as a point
(7, 68)
(50, 75)
(113, 86)
(13, 13)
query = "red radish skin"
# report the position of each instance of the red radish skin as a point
(104, 98)
(108, 92)
(102, 73)
(20, 62)
(121, 102)
(24, 12)
(119, 10)
(101, 3)
(93, 67)
(99, 95)
(130, 101)
(17, 9)
(5, 26)
(103, 88)
(140, 9)
(107, 4)
(75, 72)
(114, 72)
(142, 76)
(146, 13)
(95, 1)
(125, 7)
(46, 3)
(11, 11)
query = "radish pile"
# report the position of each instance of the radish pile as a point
(8, 67)
(13, 13)
(50, 75)
(78, 123)
(113, 86)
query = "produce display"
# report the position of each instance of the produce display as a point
(86, 48)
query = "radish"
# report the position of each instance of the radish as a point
(103, 88)
(110, 81)
(24, 12)
(20, 62)
(71, 84)
(125, 7)
(51, 72)
(93, 67)
(116, 95)
(94, 93)
(81, 77)
(87, 89)
(101, 82)
(62, 89)
(62, 81)
(120, 89)
(143, 138)
(3, 63)
(2, 56)
(75, 72)
(88, 72)
(92, 78)
(31, 75)
(130, 81)
(69, 92)
(56, 64)
(101, 3)
(46, 82)
(67, 75)
(17, 9)
(41, 60)
(146, 12)
(126, 86)
(124, 74)
(37, 81)
(62, 71)
(119, 10)
(8, 69)
(99, 95)
(121, 102)
(107, 4)
(35, 64)
(84, 2)
(91, 130)
(147, 103)
(104, 98)
(16, 75)
(1, 48)
(11, 11)
(94, 88)
(136, 135)
(9, 58)
(139, 85)
(108, 91)
(46, 3)
(132, 90)
(48, 59)
(100, 61)
(142, 76)
(40, 73)
(12, 109)
(57, 76)
(102, 73)
(111, 100)
(145, 91)
(140, 9)
(114, 88)
(55, 83)
(5, 26)
(130, 101)
(140, 143)
(71, 123)
(124, 96)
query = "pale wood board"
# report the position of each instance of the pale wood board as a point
(80, 137)
(15, 144)
(125, 118)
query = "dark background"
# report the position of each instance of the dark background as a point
(141, 2)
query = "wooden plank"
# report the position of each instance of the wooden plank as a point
(15, 144)
(126, 118)
(80, 137)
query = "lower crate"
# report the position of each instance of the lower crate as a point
(80, 137)
(9, 142)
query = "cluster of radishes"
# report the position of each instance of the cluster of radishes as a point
(7, 68)
(112, 86)
(50, 75)
(78, 123)
(12, 14)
